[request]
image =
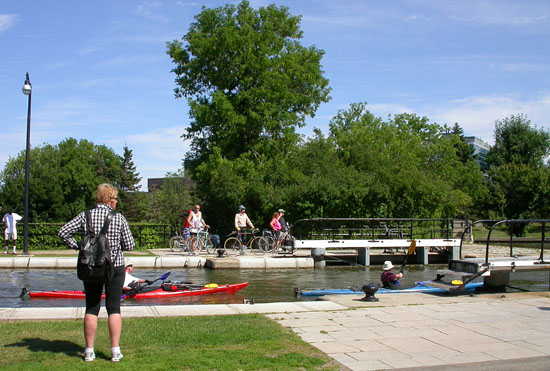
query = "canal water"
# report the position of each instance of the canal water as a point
(269, 285)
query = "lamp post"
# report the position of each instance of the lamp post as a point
(27, 90)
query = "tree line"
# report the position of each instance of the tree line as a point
(250, 84)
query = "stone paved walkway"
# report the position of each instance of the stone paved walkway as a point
(418, 330)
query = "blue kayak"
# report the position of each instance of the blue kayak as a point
(419, 287)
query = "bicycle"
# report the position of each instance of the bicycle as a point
(278, 246)
(182, 244)
(234, 245)
(202, 242)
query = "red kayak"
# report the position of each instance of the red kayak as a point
(160, 292)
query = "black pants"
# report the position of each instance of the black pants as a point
(113, 293)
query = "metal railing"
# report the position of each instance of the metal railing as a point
(511, 223)
(373, 228)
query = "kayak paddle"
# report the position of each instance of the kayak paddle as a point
(412, 247)
(140, 288)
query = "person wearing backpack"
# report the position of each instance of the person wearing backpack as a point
(119, 239)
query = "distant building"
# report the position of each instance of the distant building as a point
(481, 149)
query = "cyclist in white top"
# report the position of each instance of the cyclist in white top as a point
(195, 220)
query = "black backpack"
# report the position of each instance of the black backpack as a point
(94, 257)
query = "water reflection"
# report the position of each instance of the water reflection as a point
(271, 285)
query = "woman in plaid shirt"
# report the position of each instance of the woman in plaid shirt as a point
(120, 239)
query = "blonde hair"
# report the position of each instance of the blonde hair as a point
(104, 192)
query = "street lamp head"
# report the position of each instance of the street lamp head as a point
(27, 87)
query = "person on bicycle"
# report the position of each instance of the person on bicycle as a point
(284, 225)
(275, 225)
(195, 220)
(241, 221)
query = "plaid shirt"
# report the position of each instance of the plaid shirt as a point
(118, 234)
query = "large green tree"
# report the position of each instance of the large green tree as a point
(365, 167)
(464, 151)
(130, 201)
(409, 168)
(249, 84)
(248, 80)
(518, 142)
(518, 169)
(62, 178)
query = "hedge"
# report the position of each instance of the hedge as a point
(43, 236)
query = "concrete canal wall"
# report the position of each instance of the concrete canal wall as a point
(241, 262)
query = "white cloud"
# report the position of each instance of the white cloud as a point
(131, 60)
(384, 109)
(502, 13)
(7, 21)
(149, 9)
(477, 115)
(89, 49)
(156, 152)
(525, 67)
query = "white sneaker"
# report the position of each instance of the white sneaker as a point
(89, 356)
(116, 357)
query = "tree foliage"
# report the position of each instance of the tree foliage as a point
(517, 169)
(410, 168)
(517, 142)
(365, 167)
(464, 151)
(129, 177)
(62, 178)
(248, 80)
(130, 201)
(171, 203)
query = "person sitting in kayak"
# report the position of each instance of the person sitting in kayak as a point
(131, 282)
(389, 279)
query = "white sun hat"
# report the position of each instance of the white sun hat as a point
(387, 265)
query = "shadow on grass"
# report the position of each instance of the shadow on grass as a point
(56, 346)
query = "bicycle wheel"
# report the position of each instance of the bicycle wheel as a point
(288, 245)
(258, 245)
(195, 245)
(266, 244)
(204, 245)
(176, 242)
(232, 246)
(210, 247)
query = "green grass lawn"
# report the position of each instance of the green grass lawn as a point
(238, 342)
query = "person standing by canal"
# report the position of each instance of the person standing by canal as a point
(120, 239)
(10, 234)
(389, 279)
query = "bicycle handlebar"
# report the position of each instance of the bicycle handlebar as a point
(244, 231)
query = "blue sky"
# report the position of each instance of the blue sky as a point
(100, 71)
